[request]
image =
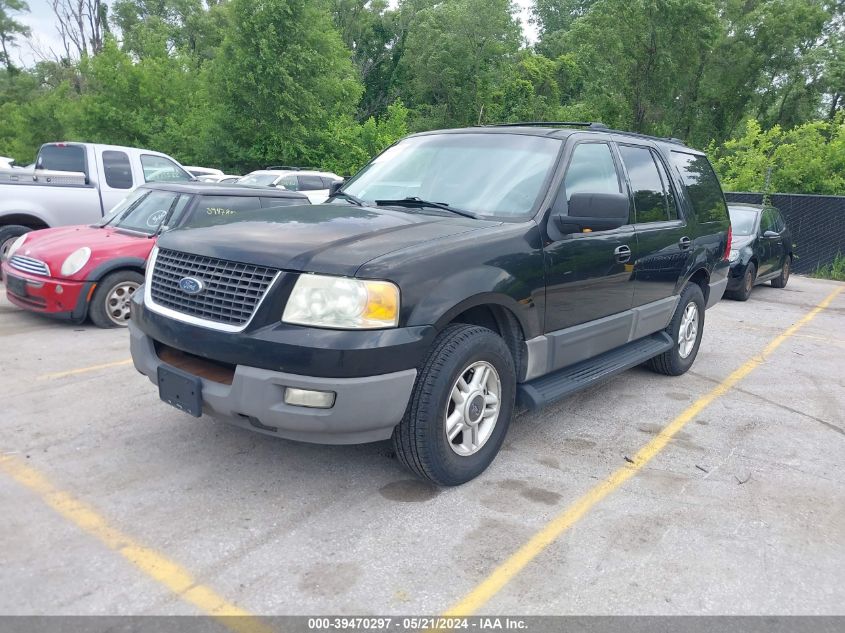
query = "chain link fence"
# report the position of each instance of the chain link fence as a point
(817, 224)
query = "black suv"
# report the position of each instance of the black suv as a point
(457, 274)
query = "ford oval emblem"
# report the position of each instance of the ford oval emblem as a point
(191, 285)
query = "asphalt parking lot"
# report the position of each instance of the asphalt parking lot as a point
(115, 503)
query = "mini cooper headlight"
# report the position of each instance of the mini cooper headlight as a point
(343, 303)
(16, 245)
(75, 261)
(734, 256)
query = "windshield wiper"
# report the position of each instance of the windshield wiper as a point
(348, 196)
(414, 201)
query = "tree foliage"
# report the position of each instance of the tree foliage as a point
(328, 83)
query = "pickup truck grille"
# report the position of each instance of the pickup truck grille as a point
(29, 265)
(230, 293)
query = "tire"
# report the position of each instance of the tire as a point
(781, 280)
(110, 303)
(747, 284)
(680, 358)
(420, 440)
(8, 234)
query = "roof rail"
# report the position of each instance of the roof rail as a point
(289, 167)
(593, 125)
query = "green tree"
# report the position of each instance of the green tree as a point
(454, 60)
(11, 29)
(282, 74)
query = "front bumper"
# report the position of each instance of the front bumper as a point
(57, 298)
(366, 409)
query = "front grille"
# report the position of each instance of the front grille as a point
(29, 265)
(231, 290)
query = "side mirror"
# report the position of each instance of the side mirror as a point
(594, 212)
(336, 185)
(770, 235)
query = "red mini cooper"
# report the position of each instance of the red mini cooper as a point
(74, 272)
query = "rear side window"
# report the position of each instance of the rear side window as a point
(62, 158)
(768, 221)
(779, 221)
(310, 183)
(327, 182)
(591, 170)
(117, 170)
(703, 187)
(290, 183)
(161, 169)
(646, 184)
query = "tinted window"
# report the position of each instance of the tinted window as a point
(703, 187)
(499, 175)
(117, 170)
(263, 180)
(310, 183)
(148, 213)
(591, 170)
(743, 220)
(290, 183)
(767, 222)
(161, 169)
(213, 210)
(780, 223)
(62, 158)
(646, 185)
(668, 191)
(327, 182)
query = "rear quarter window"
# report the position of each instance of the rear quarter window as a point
(702, 185)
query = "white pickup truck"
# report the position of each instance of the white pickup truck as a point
(76, 183)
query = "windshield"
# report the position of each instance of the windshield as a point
(498, 175)
(143, 211)
(258, 179)
(743, 221)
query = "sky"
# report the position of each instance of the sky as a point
(43, 24)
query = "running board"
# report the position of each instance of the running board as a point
(564, 382)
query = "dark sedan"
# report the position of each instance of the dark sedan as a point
(761, 250)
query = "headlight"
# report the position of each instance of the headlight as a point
(342, 303)
(75, 261)
(16, 245)
(734, 256)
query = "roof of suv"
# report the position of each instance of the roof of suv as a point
(558, 130)
(224, 189)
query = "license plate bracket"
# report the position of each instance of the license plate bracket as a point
(180, 389)
(16, 285)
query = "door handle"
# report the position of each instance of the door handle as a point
(685, 243)
(622, 253)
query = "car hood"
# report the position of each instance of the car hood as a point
(328, 238)
(52, 246)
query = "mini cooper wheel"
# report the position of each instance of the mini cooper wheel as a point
(110, 303)
(460, 408)
(780, 280)
(685, 328)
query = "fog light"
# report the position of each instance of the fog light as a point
(308, 398)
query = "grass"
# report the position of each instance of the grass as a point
(834, 270)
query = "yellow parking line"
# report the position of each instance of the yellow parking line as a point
(507, 570)
(155, 565)
(84, 370)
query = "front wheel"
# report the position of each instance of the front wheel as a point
(744, 292)
(8, 235)
(460, 408)
(685, 328)
(110, 303)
